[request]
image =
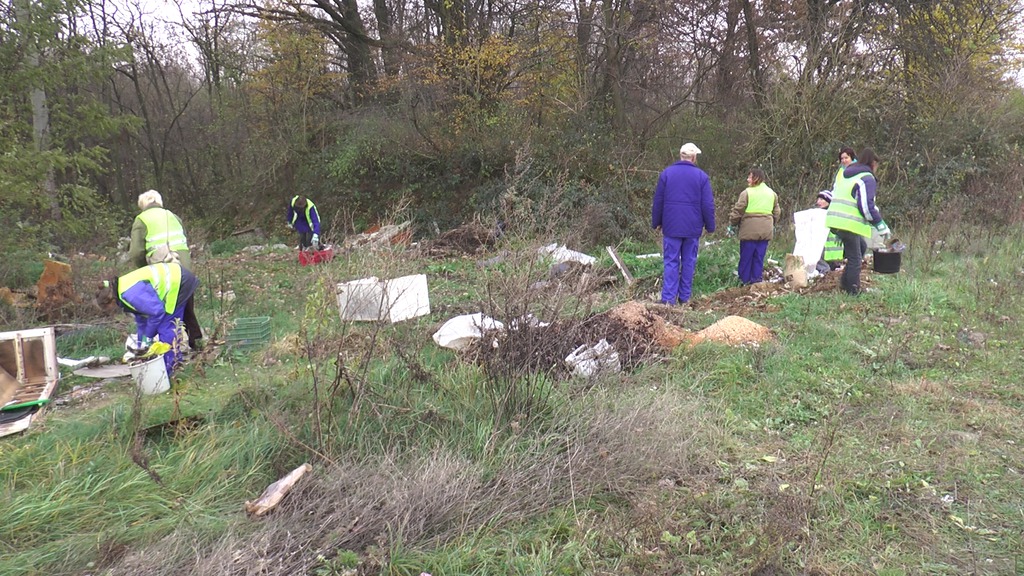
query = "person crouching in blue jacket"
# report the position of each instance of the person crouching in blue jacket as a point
(303, 218)
(683, 208)
(156, 295)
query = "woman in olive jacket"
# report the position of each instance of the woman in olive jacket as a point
(756, 211)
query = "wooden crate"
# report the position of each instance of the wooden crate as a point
(30, 357)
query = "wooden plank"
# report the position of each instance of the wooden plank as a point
(621, 265)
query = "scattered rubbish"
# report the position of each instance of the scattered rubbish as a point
(470, 238)
(55, 288)
(587, 360)
(249, 332)
(84, 362)
(395, 300)
(527, 321)
(567, 270)
(29, 376)
(648, 256)
(795, 273)
(108, 371)
(493, 261)
(79, 392)
(620, 265)
(563, 254)
(272, 496)
(461, 331)
(734, 330)
(381, 237)
(307, 257)
(227, 295)
(151, 375)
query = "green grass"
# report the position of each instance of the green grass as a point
(875, 435)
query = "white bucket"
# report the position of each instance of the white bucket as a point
(151, 376)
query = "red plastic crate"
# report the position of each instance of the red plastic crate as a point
(307, 257)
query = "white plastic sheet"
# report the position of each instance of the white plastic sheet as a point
(563, 254)
(811, 234)
(460, 331)
(371, 299)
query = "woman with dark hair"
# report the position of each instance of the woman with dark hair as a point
(756, 211)
(846, 157)
(853, 213)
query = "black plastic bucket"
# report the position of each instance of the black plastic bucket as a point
(886, 262)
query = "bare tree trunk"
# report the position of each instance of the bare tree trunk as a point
(754, 54)
(40, 110)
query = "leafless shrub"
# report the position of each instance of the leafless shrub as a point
(367, 506)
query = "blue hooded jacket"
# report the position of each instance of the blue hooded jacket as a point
(683, 202)
(864, 192)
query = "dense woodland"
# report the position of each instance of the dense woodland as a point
(460, 107)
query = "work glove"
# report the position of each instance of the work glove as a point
(316, 241)
(141, 344)
(883, 230)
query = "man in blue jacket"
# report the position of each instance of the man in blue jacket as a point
(683, 208)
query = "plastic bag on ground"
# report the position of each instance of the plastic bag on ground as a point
(460, 331)
(588, 360)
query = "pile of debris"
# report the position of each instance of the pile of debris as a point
(471, 238)
(620, 339)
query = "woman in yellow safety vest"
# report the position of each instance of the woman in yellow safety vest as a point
(755, 212)
(156, 296)
(303, 217)
(853, 213)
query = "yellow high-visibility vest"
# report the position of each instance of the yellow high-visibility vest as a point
(843, 213)
(165, 279)
(163, 227)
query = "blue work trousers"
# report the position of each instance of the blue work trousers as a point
(751, 266)
(168, 333)
(680, 258)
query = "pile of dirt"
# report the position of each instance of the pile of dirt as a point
(638, 323)
(471, 238)
(632, 329)
(734, 330)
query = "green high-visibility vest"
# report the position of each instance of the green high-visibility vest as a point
(833, 249)
(163, 227)
(165, 279)
(843, 213)
(295, 213)
(760, 199)
(839, 177)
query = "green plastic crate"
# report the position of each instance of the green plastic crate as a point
(250, 332)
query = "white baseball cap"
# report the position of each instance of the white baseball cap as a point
(689, 149)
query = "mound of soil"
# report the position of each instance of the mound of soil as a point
(735, 330)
